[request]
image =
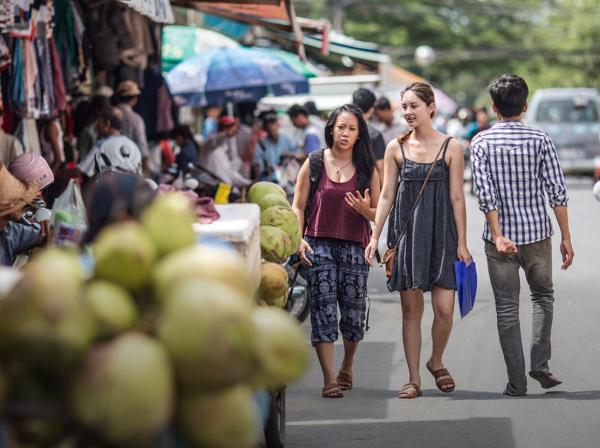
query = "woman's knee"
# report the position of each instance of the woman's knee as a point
(444, 314)
(412, 311)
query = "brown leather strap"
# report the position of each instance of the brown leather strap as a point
(422, 189)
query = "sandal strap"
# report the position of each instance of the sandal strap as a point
(329, 390)
(408, 386)
(441, 372)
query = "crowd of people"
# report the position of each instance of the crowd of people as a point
(360, 174)
(343, 208)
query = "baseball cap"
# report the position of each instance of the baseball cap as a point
(32, 169)
(226, 121)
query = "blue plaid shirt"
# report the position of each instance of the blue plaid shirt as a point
(515, 166)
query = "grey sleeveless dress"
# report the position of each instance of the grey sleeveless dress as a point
(427, 251)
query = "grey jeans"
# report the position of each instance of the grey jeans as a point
(536, 261)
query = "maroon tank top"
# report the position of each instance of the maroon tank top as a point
(331, 217)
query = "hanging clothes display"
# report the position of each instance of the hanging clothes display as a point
(69, 37)
(37, 85)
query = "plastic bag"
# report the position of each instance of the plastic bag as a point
(466, 285)
(69, 220)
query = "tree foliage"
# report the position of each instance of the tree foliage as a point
(550, 42)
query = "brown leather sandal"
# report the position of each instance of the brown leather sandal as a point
(442, 378)
(344, 380)
(332, 390)
(407, 387)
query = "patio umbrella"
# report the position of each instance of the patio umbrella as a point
(182, 42)
(233, 74)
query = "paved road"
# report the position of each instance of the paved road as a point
(476, 414)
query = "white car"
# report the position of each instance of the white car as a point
(571, 117)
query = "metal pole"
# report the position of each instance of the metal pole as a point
(296, 29)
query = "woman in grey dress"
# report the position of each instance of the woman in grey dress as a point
(436, 232)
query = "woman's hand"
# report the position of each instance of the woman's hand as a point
(370, 251)
(464, 255)
(361, 204)
(303, 249)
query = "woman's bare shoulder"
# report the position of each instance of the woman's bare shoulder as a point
(393, 149)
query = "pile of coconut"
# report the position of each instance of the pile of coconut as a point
(165, 336)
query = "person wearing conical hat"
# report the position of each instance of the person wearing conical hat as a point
(16, 237)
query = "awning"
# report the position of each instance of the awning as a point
(280, 15)
(270, 14)
(158, 11)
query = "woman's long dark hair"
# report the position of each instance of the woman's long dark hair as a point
(362, 155)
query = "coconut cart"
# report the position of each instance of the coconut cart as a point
(239, 225)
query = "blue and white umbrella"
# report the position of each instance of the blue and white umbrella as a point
(233, 74)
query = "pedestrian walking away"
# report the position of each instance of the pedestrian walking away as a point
(423, 178)
(336, 197)
(515, 166)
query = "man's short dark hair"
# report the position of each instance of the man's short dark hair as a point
(296, 110)
(111, 116)
(364, 99)
(311, 108)
(383, 103)
(509, 94)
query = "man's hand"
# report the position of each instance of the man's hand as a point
(361, 204)
(505, 246)
(566, 249)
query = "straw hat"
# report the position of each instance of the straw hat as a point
(14, 194)
(128, 88)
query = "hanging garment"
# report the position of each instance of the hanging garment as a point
(137, 26)
(32, 84)
(27, 132)
(58, 83)
(18, 76)
(4, 55)
(45, 96)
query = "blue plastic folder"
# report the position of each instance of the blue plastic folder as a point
(466, 285)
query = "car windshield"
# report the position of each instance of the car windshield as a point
(572, 110)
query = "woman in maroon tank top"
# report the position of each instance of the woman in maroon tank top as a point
(337, 230)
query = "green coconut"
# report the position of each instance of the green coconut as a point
(284, 219)
(282, 347)
(271, 200)
(112, 307)
(273, 282)
(275, 244)
(168, 221)
(207, 329)
(221, 419)
(43, 319)
(125, 390)
(124, 255)
(260, 189)
(204, 262)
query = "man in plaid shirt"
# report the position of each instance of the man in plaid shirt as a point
(515, 167)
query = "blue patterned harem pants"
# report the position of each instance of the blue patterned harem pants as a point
(338, 276)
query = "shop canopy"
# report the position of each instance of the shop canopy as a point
(158, 11)
(182, 42)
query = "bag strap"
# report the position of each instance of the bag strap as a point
(421, 190)
(315, 169)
